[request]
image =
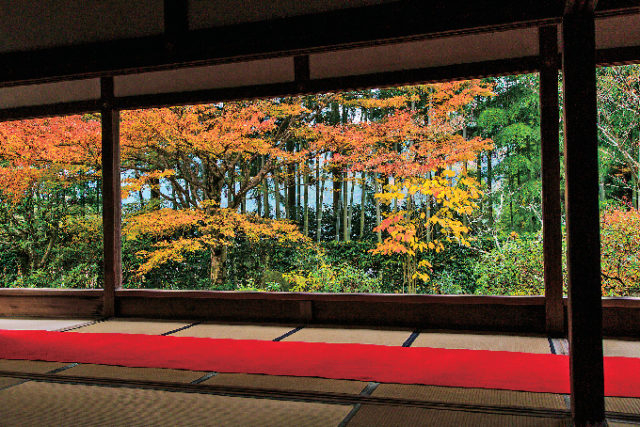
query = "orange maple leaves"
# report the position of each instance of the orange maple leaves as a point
(57, 149)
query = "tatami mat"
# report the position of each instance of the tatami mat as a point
(405, 416)
(40, 324)
(8, 382)
(362, 336)
(624, 348)
(133, 326)
(472, 396)
(278, 382)
(234, 331)
(626, 405)
(483, 342)
(44, 404)
(30, 366)
(145, 374)
(26, 366)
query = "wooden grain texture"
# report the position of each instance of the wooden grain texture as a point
(62, 306)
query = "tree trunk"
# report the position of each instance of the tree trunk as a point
(232, 188)
(265, 193)
(345, 209)
(489, 185)
(155, 193)
(291, 186)
(350, 212)
(336, 184)
(319, 206)
(243, 201)
(216, 266)
(338, 218)
(276, 188)
(306, 202)
(376, 189)
(362, 203)
(318, 201)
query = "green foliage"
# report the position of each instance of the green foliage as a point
(53, 237)
(492, 120)
(514, 268)
(620, 235)
(333, 278)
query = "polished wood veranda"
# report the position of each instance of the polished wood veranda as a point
(49, 393)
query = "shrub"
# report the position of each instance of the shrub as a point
(515, 268)
(620, 235)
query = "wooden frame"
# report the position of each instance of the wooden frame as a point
(464, 312)
(551, 212)
(587, 315)
(179, 46)
(583, 216)
(111, 198)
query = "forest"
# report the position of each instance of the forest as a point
(432, 189)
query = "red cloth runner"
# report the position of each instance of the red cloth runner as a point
(412, 365)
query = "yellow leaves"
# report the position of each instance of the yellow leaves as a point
(425, 263)
(429, 216)
(206, 228)
(448, 173)
(162, 223)
(168, 251)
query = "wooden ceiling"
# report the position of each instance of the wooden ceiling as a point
(52, 52)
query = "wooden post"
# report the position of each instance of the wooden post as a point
(551, 214)
(583, 228)
(111, 199)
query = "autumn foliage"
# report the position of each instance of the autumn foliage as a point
(381, 190)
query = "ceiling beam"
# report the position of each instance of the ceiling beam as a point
(362, 26)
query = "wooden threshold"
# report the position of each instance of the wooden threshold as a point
(525, 314)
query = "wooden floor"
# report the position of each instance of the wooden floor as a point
(48, 393)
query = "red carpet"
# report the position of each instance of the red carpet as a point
(433, 366)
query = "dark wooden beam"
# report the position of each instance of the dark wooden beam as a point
(582, 216)
(48, 110)
(301, 71)
(621, 316)
(551, 213)
(525, 315)
(51, 303)
(176, 18)
(363, 81)
(111, 196)
(176, 23)
(605, 57)
(579, 6)
(359, 26)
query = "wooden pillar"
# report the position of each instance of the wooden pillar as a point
(551, 213)
(111, 198)
(583, 230)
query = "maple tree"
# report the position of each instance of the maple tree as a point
(201, 151)
(415, 149)
(43, 162)
(399, 189)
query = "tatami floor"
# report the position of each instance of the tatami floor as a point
(48, 393)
